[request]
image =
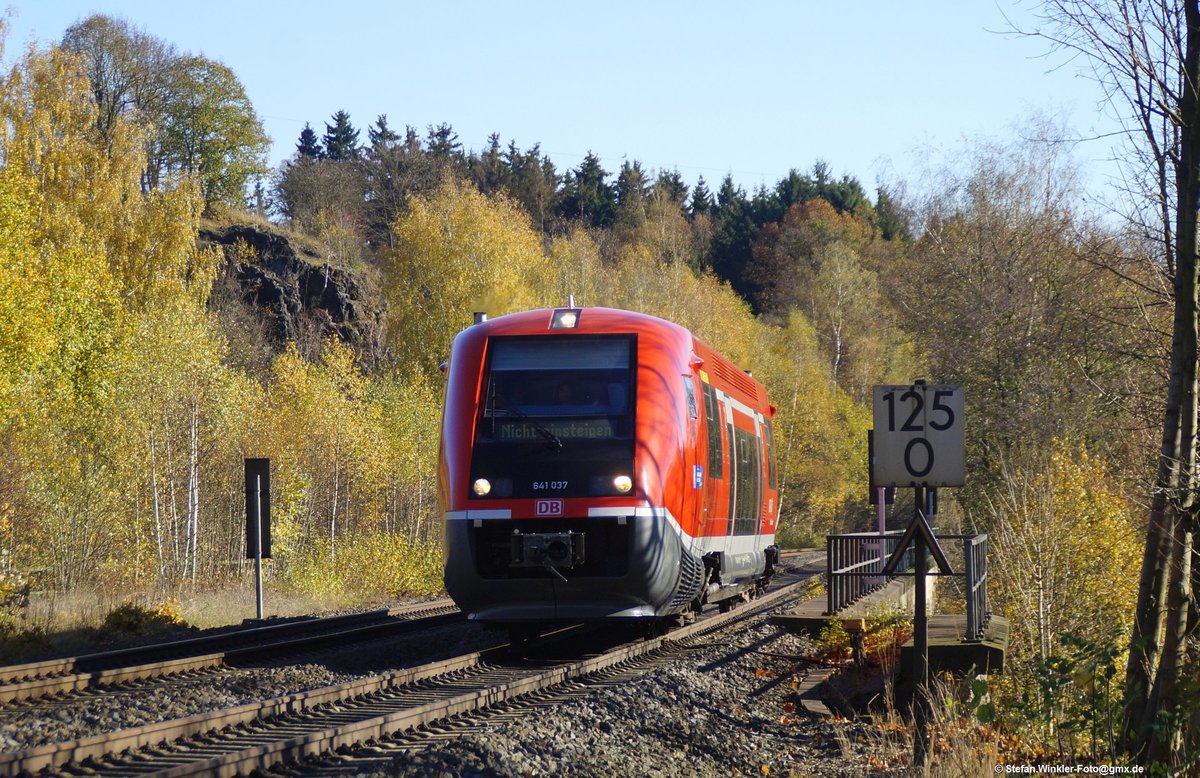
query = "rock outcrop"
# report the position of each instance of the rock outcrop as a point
(293, 288)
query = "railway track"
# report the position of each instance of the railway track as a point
(110, 668)
(299, 726)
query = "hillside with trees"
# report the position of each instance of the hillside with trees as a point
(172, 306)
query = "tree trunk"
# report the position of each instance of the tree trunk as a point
(420, 500)
(334, 508)
(156, 497)
(1154, 689)
(1164, 696)
(194, 489)
(174, 493)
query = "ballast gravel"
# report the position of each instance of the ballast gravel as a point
(25, 725)
(32, 723)
(728, 708)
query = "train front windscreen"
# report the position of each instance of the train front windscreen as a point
(556, 417)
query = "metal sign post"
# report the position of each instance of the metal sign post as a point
(258, 522)
(921, 707)
(880, 497)
(919, 442)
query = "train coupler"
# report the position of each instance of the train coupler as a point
(551, 550)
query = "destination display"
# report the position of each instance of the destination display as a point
(564, 429)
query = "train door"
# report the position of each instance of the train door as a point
(747, 514)
(731, 447)
(771, 497)
(761, 481)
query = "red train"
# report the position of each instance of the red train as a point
(601, 464)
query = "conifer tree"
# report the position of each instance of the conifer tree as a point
(308, 147)
(701, 202)
(792, 189)
(534, 182)
(631, 195)
(442, 144)
(395, 168)
(489, 170)
(380, 135)
(341, 139)
(587, 196)
(889, 217)
(671, 185)
(733, 233)
(631, 183)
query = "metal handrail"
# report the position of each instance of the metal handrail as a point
(975, 569)
(854, 569)
(854, 566)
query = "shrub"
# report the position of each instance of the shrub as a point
(380, 564)
(132, 619)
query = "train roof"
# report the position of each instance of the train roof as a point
(588, 319)
(598, 320)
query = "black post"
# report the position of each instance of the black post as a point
(258, 508)
(920, 647)
(258, 522)
(830, 593)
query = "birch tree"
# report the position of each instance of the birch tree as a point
(455, 253)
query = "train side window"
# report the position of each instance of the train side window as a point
(690, 391)
(771, 467)
(712, 423)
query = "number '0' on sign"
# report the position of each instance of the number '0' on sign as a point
(918, 435)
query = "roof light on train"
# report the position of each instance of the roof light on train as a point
(482, 487)
(565, 319)
(623, 484)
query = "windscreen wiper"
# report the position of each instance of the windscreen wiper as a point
(551, 439)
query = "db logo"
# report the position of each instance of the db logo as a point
(548, 507)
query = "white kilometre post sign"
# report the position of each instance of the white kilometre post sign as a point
(919, 435)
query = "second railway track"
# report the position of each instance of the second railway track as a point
(110, 668)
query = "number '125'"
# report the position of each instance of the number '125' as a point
(912, 423)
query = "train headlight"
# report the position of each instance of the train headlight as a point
(482, 487)
(565, 319)
(623, 484)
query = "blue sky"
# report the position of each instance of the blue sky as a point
(872, 88)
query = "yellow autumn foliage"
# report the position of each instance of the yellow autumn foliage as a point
(317, 435)
(353, 463)
(24, 347)
(456, 253)
(575, 269)
(103, 271)
(1059, 537)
